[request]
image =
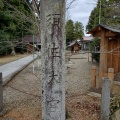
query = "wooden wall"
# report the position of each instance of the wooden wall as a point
(113, 58)
(76, 47)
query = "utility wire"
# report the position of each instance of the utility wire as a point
(23, 91)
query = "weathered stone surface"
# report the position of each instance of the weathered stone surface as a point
(105, 99)
(53, 59)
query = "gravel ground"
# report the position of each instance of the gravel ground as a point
(22, 95)
(78, 77)
(80, 106)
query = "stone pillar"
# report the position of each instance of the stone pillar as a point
(1, 93)
(105, 99)
(53, 59)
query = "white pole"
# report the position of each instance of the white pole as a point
(100, 13)
(33, 55)
(38, 53)
(22, 42)
(38, 59)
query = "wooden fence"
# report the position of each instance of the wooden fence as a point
(94, 76)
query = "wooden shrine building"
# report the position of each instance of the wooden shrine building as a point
(30, 42)
(109, 48)
(75, 46)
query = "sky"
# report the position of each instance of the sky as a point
(80, 11)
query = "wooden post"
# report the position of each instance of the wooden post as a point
(100, 79)
(93, 77)
(1, 93)
(105, 99)
(89, 52)
(103, 56)
(111, 77)
(53, 59)
(119, 53)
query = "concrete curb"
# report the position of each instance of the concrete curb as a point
(9, 77)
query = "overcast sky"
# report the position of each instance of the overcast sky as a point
(80, 11)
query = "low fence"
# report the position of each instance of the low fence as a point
(94, 76)
(106, 92)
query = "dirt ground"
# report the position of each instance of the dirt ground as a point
(22, 95)
(9, 58)
(80, 105)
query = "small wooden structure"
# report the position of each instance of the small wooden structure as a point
(75, 46)
(86, 40)
(109, 49)
(30, 42)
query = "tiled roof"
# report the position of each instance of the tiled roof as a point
(71, 44)
(111, 28)
(29, 38)
(114, 29)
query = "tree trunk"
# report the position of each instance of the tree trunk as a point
(13, 51)
(53, 59)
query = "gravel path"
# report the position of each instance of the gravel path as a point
(22, 95)
(78, 77)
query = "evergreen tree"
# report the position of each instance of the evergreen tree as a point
(112, 13)
(69, 31)
(93, 19)
(16, 21)
(74, 30)
(109, 15)
(79, 30)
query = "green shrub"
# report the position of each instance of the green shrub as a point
(94, 48)
(5, 48)
(20, 48)
(114, 106)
